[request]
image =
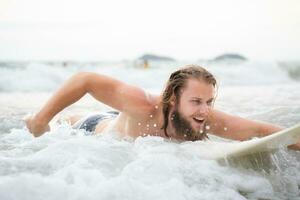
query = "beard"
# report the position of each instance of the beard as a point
(184, 128)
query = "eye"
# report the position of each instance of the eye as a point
(209, 103)
(196, 101)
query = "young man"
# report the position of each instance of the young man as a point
(184, 111)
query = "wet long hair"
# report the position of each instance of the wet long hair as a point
(176, 83)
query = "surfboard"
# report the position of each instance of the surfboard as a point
(222, 150)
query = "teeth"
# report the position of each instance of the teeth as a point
(199, 118)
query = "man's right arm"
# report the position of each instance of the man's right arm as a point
(114, 93)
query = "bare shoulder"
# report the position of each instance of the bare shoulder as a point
(137, 101)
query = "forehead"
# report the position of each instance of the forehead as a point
(198, 88)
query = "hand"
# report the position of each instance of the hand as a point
(295, 147)
(36, 127)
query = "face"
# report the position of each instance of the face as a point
(191, 112)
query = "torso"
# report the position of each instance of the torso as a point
(129, 126)
(148, 124)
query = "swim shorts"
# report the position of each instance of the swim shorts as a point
(90, 122)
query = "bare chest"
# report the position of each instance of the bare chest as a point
(134, 127)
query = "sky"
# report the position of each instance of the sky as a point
(91, 30)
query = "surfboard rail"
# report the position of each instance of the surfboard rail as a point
(221, 150)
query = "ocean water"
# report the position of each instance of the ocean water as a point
(66, 164)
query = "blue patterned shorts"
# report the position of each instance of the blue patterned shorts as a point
(89, 123)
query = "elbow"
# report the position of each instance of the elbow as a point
(82, 78)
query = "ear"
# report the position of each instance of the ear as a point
(173, 100)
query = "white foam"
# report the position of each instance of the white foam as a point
(64, 165)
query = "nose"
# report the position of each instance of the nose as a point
(204, 109)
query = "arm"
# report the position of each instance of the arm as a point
(237, 128)
(114, 93)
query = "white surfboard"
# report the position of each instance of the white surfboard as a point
(223, 150)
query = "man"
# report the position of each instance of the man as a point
(184, 111)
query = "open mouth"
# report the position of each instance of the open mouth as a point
(198, 120)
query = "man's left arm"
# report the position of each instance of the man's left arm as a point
(237, 128)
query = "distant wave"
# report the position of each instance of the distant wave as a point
(24, 77)
(40, 77)
(292, 68)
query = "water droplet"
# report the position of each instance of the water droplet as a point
(225, 129)
(151, 116)
(154, 125)
(207, 127)
(156, 107)
(201, 131)
(139, 123)
(147, 125)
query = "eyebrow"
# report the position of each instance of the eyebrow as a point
(197, 98)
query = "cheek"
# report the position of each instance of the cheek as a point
(187, 109)
(210, 109)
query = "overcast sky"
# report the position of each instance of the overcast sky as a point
(116, 29)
